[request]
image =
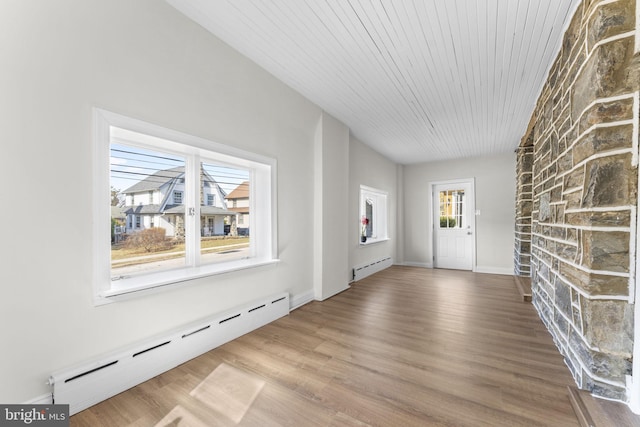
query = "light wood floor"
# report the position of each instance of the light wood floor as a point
(405, 347)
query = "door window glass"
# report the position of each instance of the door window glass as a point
(451, 208)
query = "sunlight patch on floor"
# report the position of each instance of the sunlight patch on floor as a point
(229, 391)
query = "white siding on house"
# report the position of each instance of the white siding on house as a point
(162, 222)
(218, 197)
(218, 225)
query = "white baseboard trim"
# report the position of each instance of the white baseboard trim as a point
(372, 267)
(298, 301)
(493, 270)
(45, 399)
(477, 269)
(417, 264)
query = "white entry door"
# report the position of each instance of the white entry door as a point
(454, 225)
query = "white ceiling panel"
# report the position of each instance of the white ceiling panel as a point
(417, 80)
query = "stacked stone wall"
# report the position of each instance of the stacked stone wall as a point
(584, 192)
(524, 205)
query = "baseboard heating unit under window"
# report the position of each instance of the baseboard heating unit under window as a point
(369, 268)
(95, 381)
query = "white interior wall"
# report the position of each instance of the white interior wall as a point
(368, 167)
(495, 184)
(330, 208)
(146, 60)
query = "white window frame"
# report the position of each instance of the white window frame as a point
(379, 199)
(263, 197)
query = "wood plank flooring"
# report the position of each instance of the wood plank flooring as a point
(405, 347)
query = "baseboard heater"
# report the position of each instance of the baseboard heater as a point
(108, 375)
(364, 270)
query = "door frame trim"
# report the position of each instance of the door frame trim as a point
(472, 201)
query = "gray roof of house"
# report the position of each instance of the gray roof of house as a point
(156, 180)
(159, 178)
(144, 209)
(213, 210)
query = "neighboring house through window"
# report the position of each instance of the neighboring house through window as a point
(181, 185)
(239, 198)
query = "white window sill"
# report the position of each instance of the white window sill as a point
(137, 286)
(373, 241)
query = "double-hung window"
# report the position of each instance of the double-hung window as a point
(178, 234)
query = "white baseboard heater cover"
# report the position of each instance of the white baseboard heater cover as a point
(367, 269)
(93, 382)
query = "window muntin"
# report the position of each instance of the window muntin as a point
(192, 152)
(373, 207)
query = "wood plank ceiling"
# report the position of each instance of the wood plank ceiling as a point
(417, 80)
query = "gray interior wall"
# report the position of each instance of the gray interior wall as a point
(494, 196)
(368, 167)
